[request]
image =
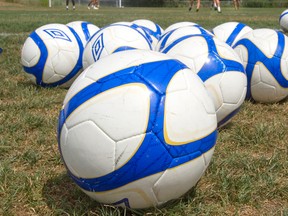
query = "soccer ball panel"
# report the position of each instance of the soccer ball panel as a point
(233, 84)
(30, 53)
(86, 142)
(264, 40)
(228, 91)
(189, 51)
(226, 52)
(121, 112)
(242, 52)
(177, 115)
(208, 156)
(138, 194)
(265, 87)
(181, 179)
(126, 148)
(263, 93)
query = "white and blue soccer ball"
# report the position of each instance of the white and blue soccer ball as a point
(152, 30)
(231, 32)
(283, 20)
(139, 132)
(178, 33)
(114, 38)
(52, 55)
(84, 29)
(264, 53)
(218, 66)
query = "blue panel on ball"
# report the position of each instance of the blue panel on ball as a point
(157, 33)
(272, 64)
(235, 33)
(123, 48)
(165, 39)
(37, 70)
(158, 76)
(147, 35)
(84, 26)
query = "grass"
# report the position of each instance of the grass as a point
(248, 174)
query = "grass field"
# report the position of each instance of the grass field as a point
(248, 174)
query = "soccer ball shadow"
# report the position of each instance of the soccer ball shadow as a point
(60, 194)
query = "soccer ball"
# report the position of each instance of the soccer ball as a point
(84, 30)
(230, 32)
(52, 55)
(111, 39)
(283, 20)
(218, 66)
(264, 53)
(152, 29)
(139, 132)
(180, 32)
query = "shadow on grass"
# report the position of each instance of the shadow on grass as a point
(62, 196)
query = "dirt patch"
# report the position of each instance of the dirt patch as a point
(9, 4)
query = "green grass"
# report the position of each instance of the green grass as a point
(248, 174)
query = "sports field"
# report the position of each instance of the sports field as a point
(248, 174)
